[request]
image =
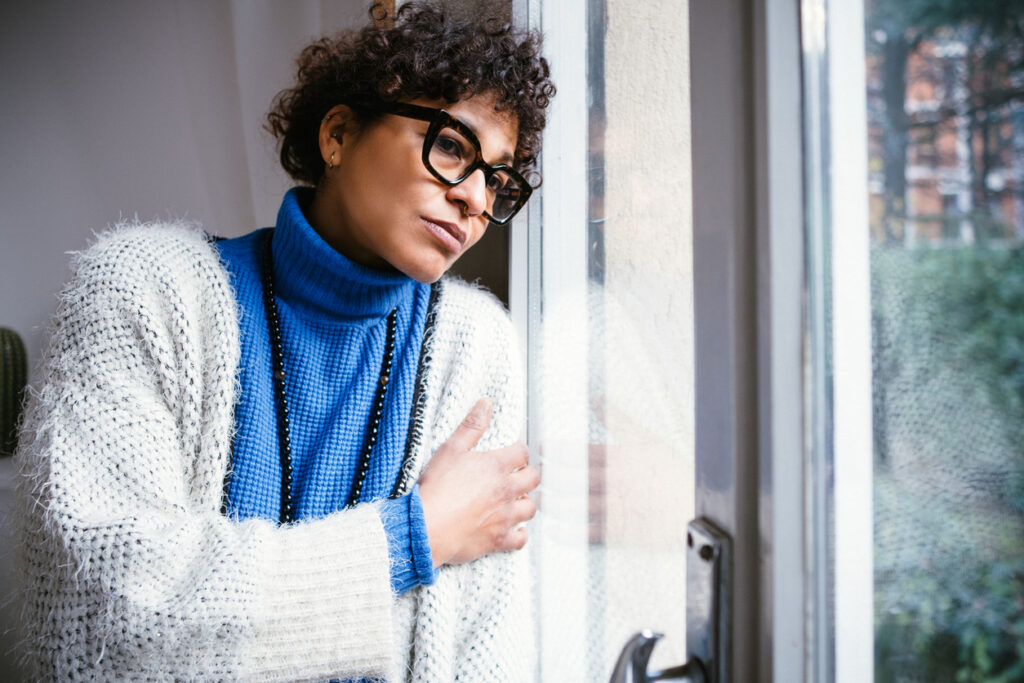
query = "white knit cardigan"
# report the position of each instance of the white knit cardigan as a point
(131, 570)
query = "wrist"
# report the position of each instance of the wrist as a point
(438, 538)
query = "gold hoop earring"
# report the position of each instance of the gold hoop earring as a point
(330, 164)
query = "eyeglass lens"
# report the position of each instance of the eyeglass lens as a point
(451, 155)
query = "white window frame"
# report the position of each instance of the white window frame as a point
(556, 260)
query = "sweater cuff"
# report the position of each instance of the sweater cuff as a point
(325, 604)
(408, 545)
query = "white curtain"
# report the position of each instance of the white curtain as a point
(127, 108)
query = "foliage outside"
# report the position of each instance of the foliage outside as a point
(949, 459)
(946, 140)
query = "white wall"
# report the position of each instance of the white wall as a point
(131, 107)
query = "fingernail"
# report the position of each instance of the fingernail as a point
(482, 407)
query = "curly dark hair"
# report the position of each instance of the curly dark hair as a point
(420, 52)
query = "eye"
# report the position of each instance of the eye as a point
(450, 145)
(500, 183)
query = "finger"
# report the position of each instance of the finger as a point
(524, 481)
(523, 510)
(514, 457)
(515, 539)
(473, 426)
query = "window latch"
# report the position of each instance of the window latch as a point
(708, 600)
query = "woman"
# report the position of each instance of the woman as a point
(226, 464)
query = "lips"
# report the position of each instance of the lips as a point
(449, 234)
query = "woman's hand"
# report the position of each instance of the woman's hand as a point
(475, 503)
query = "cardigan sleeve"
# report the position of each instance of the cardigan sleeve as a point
(498, 631)
(131, 571)
(476, 622)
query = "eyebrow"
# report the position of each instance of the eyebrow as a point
(506, 159)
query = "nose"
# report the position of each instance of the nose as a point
(471, 192)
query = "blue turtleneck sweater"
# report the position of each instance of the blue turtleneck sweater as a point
(333, 315)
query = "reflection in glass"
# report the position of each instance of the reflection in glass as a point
(614, 385)
(641, 321)
(946, 144)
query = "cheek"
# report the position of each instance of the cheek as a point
(396, 186)
(477, 235)
(375, 171)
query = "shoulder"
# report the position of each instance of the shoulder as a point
(470, 306)
(159, 284)
(144, 249)
(130, 263)
(473, 324)
(474, 336)
(470, 351)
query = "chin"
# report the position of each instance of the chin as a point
(427, 275)
(426, 279)
(426, 265)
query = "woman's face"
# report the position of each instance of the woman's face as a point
(381, 207)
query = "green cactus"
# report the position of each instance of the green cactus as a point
(13, 376)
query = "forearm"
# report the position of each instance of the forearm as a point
(152, 592)
(132, 572)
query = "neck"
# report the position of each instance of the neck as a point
(327, 217)
(315, 276)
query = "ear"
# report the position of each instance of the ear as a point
(338, 122)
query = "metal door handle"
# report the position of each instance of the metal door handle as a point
(708, 598)
(631, 666)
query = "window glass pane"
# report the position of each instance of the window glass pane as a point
(945, 98)
(641, 390)
(612, 371)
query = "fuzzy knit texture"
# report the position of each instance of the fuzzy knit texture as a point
(333, 321)
(131, 571)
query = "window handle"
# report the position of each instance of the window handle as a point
(631, 666)
(708, 601)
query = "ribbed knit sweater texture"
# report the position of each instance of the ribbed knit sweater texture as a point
(333, 316)
(132, 572)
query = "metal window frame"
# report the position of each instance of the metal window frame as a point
(748, 243)
(782, 318)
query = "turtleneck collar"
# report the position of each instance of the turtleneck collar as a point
(310, 275)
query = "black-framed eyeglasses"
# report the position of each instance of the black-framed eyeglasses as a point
(451, 152)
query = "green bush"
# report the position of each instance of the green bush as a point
(954, 625)
(948, 336)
